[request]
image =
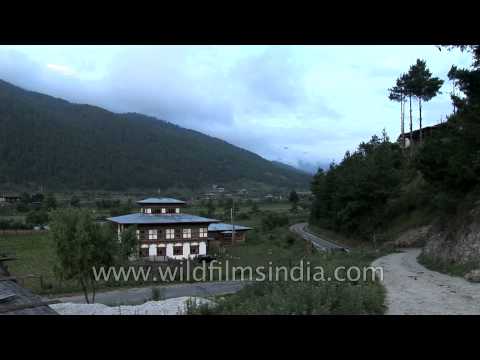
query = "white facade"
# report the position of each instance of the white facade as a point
(202, 248)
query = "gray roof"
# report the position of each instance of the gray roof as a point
(160, 201)
(21, 301)
(139, 218)
(223, 227)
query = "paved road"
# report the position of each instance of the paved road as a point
(319, 243)
(412, 289)
(134, 296)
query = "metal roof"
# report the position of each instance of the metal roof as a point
(139, 218)
(160, 201)
(223, 227)
(19, 301)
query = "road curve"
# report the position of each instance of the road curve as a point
(319, 243)
(412, 289)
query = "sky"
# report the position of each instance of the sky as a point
(302, 105)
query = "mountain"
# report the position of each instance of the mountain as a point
(52, 142)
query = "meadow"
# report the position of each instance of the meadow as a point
(269, 243)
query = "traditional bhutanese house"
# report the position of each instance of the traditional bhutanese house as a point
(164, 232)
(222, 234)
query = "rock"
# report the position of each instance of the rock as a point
(413, 237)
(458, 241)
(473, 276)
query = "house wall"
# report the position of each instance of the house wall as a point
(217, 238)
(157, 209)
(154, 247)
(153, 250)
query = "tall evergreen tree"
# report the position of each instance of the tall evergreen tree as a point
(406, 81)
(423, 86)
(398, 93)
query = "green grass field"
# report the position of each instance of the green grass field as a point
(262, 248)
(35, 256)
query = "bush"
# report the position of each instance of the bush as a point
(298, 298)
(37, 217)
(273, 220)
(289, 240)
(14, 225)
(243, 216)
(157, 294)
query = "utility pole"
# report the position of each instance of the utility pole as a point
(231, 218)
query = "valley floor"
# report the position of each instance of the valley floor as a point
(413, 289)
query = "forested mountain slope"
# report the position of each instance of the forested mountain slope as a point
(51, 142)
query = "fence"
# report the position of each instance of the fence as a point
(21, 231)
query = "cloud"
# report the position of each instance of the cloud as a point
(304, 105)
(62, 69)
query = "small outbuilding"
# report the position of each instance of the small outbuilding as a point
(227, 234)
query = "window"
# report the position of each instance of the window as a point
(203, 232)
(164, 210)
(177, 210)
(144, 252)
(170, 234)
(193, 249)
(152, 234)
(161, 251)
(138, 234)
(178, 250)
(148, 211)
(187, 233)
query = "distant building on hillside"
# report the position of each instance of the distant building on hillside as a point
(208, 196)
(414, 137)
(9, 198)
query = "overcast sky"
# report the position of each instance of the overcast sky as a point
(303, 105)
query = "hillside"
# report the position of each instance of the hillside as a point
(52, 142)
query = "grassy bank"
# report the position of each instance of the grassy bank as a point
(306, 297)
(453, 269)
(324, 295)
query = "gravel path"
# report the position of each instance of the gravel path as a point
(176, 306)
(413, 289)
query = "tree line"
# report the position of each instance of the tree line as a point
(381, 181)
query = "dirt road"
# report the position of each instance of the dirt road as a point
(413, 289)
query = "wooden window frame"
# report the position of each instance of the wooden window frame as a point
(197, 247)
(177, 250)
(170, 234)
(187, 232)
(152, 234)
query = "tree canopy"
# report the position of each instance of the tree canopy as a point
(80, 245)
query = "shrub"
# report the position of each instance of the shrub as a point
(273, 220)
(157, 294)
